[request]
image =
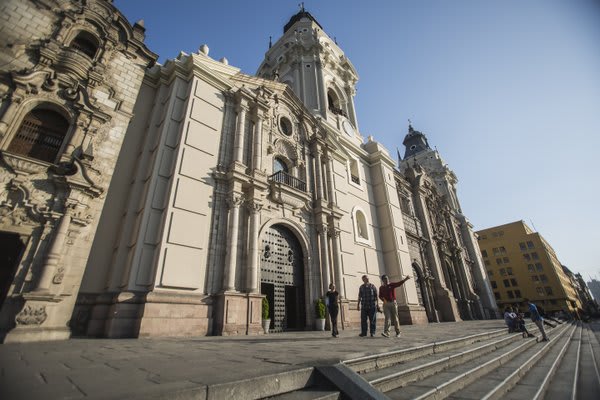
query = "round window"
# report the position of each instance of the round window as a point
(286, 126)
(413, 147)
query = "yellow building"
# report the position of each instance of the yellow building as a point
(521, 264)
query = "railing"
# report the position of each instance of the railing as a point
(288, 180)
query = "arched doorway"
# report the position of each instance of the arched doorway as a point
(11, 250)
(282, 278)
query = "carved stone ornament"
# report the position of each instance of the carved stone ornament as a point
(58, 277)
(19, 208)
(235, 201)
(254, 206)
(32, 315)
(288, 196)
(22, 165)
(333, 232)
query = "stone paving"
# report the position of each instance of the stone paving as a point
(145, 368)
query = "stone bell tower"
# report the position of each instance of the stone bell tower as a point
(316, 69)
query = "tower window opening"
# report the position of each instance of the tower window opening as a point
(354, 176)
(333, 103)
(86, 43)
(40, 135)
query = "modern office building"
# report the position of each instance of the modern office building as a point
(521, 264)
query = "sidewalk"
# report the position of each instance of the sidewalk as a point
(125, 368)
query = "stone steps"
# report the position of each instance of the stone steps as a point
(446, 383)
(489, 365)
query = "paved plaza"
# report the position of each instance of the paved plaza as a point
(163, 367)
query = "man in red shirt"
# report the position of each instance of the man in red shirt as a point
(387, 294)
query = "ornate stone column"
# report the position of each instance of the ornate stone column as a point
(328, 168)
(54, 253)
(252, 277)
(324, 258)
(238, 146)
(318, 174)
(234, 204)
(257, 154)
(334, 233)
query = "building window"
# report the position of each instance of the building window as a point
(530, 267)
(510, 294)
(548, 290)
(279, 165)
(552, 301)
(505, 260)
(502, 250)
(497, 295)
(494, 285)
(496, 251)
(513, 282)
(502, 271)
(539, 267)
(535, 256)
(484, 253)
(486, 262)
(40, 135)
(518, 293)
(86, 43)
(506, 284)
(527, 257)
(490, 272)
(509, 271)
(543, 278)
(530, 244)
(354, 174)
(286, 126)
(522, 246)
(540, 291)
(535, 278)
(499, 261)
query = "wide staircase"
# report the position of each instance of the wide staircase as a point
(490, 365)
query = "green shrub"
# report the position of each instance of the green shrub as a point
(265, 308)
(320, 309)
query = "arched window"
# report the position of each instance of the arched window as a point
(333, 103)
(40, 135)
(86, 43)
(361, 225)
(279, 165)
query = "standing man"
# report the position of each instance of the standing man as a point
(537, 319)
(387, 294)
(367, 299)
(332, 307)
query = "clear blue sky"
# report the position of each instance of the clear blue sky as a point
(508, 91)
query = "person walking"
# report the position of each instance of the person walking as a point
(537, 319)
(367, 304)
(387, 294)
(333, 308)
(547, 317)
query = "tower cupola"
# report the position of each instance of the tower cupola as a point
(415, 142)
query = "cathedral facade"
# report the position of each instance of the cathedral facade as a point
(139, 199)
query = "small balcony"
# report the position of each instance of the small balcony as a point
(288, 190)
(288, 180)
